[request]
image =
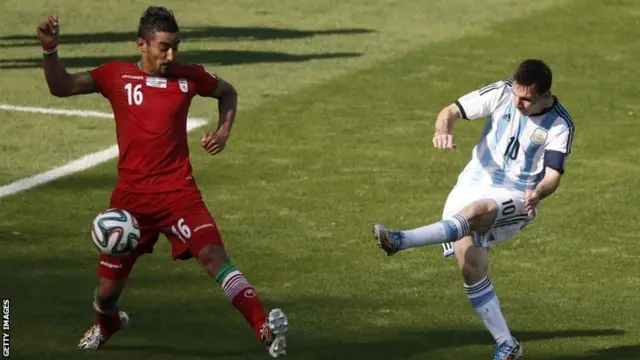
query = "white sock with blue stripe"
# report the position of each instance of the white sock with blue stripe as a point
(445, 231)
(484, 300)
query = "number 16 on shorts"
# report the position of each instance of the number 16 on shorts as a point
(181, 230)
(192, 232)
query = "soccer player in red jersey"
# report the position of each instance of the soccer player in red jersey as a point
(150, 100)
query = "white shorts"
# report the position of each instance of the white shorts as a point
(511, 214)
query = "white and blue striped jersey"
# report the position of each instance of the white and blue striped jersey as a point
(511, 150)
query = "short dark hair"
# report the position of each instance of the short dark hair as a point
(534, 72)
(155, 19)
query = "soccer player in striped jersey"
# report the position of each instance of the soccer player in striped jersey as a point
(517, 162)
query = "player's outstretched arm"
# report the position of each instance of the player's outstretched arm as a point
(214, 142)
(443, 137)
(60, 82)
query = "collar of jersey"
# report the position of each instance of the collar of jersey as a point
(546, 110)
(139, 66)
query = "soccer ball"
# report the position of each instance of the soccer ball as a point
(115, 232)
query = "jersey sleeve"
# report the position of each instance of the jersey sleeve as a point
(562, 140)
(206, 81)
(559, 147)
(103, 77)
(481, 102)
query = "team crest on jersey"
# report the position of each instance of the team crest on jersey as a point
(184, 85)
(539, 136)
(156, 82)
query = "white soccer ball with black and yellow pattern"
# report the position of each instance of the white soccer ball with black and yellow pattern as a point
(115, 232)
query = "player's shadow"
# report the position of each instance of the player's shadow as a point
(213, 33)
(216, 57)
(402, 345)
(177, 311)
(627, 352)
(192, 33)
(85, 180)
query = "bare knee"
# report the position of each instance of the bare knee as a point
(212, 258)
(480, 215)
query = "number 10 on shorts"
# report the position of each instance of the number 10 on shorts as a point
(181, 230)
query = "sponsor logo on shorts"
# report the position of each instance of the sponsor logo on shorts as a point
(110, 265)
(203, 226)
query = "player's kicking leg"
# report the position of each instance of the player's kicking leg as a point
(476, 225)
(391, 241)
(478, 216)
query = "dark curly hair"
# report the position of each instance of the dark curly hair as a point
(156, 19)
(534, 72)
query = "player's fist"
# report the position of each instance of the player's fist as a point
(531, 200)
(213, 142)
(48, 30)
(443, 141)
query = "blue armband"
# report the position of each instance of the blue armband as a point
(555, 160)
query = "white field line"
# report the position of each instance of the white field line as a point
(81, 164)
(50, 111)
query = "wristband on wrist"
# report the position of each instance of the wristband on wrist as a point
(50, 48)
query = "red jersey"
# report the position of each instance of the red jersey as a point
(151, 122)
